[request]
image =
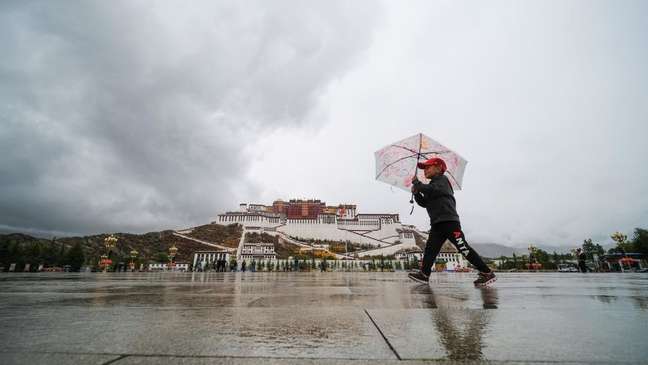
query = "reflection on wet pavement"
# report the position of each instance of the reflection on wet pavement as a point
(524, 317)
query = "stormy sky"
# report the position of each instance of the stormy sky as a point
(134, 116)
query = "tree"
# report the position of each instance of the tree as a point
(591, 249)
(502, 260)
(15, 254)
(162, 257)
(415, 263)
(75, 257)
(51, 254)
(541, 256)
(515, 262)
(621, 239)
(398, 266)
(640, 241)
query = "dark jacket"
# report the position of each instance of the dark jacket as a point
(437, 197)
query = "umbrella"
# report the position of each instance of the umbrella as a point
(396, 163)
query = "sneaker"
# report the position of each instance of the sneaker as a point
(419, 277)
(485, 279)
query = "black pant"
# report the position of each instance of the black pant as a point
(582, 267)
(451, 231)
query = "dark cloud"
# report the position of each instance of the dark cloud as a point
(134, 116)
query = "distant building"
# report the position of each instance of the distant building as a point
(258, 251)
(203, 259)
(409, 254)
(623, 262)
(453, 259)
(314, 219)
(179, 266)
(157, 267)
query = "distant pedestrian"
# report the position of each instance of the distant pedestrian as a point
(243, 266)
(437, 197)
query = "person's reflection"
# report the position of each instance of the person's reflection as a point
(489, 298)
(425, 295)
(639, 299)
(460, 328)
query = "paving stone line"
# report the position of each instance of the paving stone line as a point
(383, 335)
(115, 360)
(242, 360)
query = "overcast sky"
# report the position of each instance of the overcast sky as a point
(134, 116)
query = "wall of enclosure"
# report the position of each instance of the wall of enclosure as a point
(332, 265)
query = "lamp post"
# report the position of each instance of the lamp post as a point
(133, 256)
(620, 239)
(533, 261)
(173, 251)
(109, 242)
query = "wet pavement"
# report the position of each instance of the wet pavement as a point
(330, 318)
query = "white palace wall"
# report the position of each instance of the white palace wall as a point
(386, 251)
(373, 232)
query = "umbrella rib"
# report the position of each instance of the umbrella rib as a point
(436, 152)
(421, 153)
(405, 148)
(406, 157)
(399, 160)
(454, 178)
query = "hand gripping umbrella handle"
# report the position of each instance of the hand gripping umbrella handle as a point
(418, 157)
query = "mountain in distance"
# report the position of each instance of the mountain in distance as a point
(495, 250)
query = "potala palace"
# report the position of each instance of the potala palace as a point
(297, 220)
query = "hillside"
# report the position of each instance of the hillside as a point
(152, 246)
(228, 235)
(495, 250)
(421, 242)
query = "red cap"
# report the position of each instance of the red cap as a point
(433, 161)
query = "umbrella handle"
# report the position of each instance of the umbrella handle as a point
(412, 202)
(418, 157)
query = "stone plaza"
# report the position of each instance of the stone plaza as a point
(321, 317)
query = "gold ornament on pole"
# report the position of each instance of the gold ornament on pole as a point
(173, 251)
(133, 255)
(109, 242)
(533, 259)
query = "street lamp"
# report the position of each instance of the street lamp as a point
(533, 260)
(620, 239)
(173, 251)
(109, 242)
(133, 256)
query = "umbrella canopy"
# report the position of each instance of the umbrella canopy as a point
(396, 163)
